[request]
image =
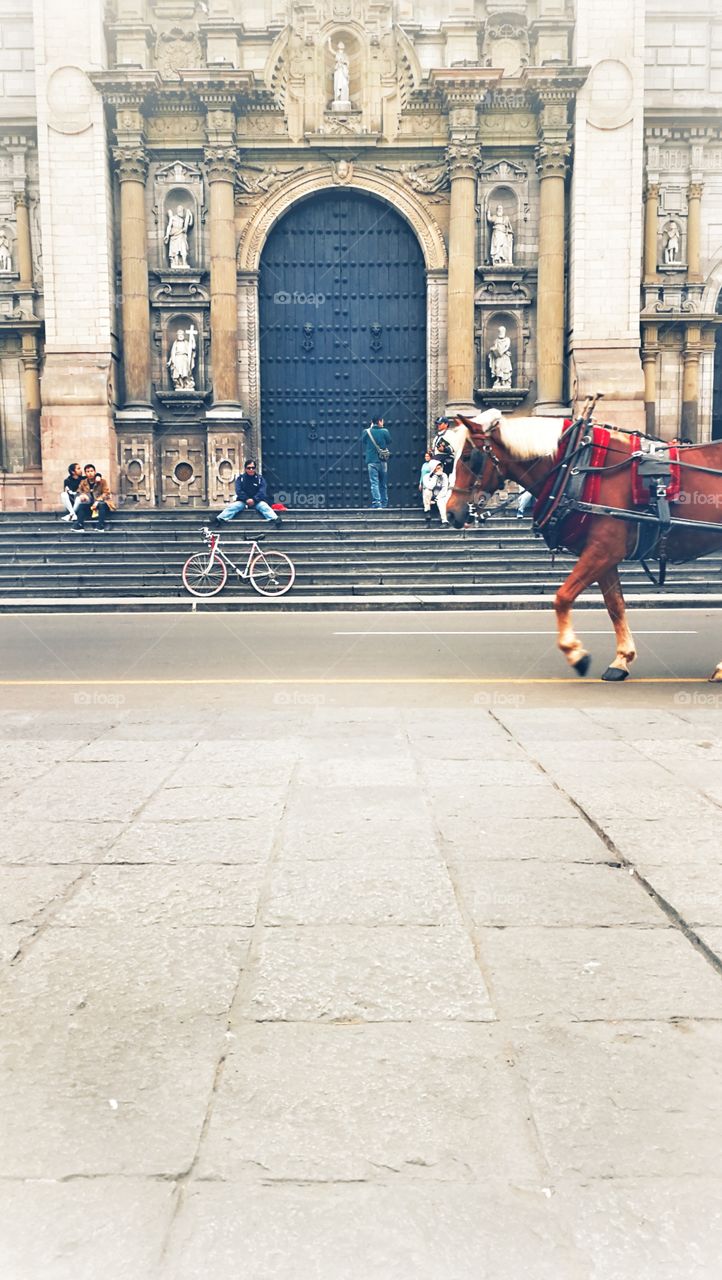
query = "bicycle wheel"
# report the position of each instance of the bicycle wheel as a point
(272, 573)
(202, 580)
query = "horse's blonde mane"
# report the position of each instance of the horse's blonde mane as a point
(525, 438)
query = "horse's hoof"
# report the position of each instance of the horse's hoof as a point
(582, 666)
(615, 674)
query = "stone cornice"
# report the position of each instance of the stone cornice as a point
(464, 86)
(555, 84)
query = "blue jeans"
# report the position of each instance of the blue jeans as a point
(235, 509)
(377, 481)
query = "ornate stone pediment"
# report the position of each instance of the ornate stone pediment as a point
(506, 43)
(177, 50)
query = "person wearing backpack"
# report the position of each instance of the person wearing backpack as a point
(377, 444)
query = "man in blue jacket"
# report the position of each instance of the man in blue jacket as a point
(251, 494)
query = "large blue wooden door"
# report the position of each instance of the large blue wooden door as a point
(343, 340)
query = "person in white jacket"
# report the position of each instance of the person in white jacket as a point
(436, 489)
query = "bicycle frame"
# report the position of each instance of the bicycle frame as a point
(217, 553)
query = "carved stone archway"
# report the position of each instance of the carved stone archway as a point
(410, 206)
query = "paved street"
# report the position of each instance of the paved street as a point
(331, 954)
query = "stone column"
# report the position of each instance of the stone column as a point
(29, 357)
(650, 352)
(463, 159)
(690, 382)
(651, 206)
(552, 157)
(221, 159)
(694, 231)
(24, 244)
(131, 161)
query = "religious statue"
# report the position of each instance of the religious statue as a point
(182, 358)
(176, 237)
(672, 242)
(341, 74)
(501, 249)
(6, 257)
(500, 366)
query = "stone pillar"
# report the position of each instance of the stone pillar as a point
(650, 353)
(131, 163)
(221, 159)
(552, 156)
(690, 382)
(24, 244)
(463, 158)
(651, 206)
(694, 231)
(606, 209)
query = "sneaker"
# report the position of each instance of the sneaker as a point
(78, 528)
(278, 522)
(67, 519)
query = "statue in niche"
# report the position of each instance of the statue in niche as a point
(501, 248)
(341, 75)
(499, 357)
(182, 359)
(176, 237)
(672, 238)
(6, 257)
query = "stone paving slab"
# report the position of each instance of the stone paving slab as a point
(645, 1228)
(133, 1016)
(207, 802)
(562, 895)
(530, 839)
(30, 841)
(362, 1232)
(342, 892)
(351, 822)
(421, 1104)
(693, 889)
(111, 1228)
(25, 894)
(221, 840)
(589, 974)
(354, 973)
(674, 840)
(180, 896)
(637, 1100)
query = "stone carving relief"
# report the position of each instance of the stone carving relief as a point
(258, 179)
(427, 179)
(342, 172)
(6, 256)
(177, 50)
(506, 44)
(501, 242)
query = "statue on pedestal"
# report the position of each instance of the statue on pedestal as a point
(182, 358)
(6, 257)
(501, 248)
(499, 357)
(672, 242)
(341, 75)
(176, 237)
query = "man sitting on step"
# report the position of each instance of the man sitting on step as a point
(251, 493)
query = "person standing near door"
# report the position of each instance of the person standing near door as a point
(377, 444)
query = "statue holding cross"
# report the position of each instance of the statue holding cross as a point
(182, 358)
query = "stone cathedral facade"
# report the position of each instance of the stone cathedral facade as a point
(249, 226)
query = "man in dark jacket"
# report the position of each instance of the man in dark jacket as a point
(376, 440)
(441, 450)
(251, 494)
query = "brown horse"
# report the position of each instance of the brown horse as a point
(490, 450)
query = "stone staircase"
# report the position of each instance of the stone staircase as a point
(344, 559)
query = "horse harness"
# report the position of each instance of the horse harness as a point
(580, 467)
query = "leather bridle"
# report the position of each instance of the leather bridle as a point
(486, 448)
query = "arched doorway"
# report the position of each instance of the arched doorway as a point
(717, 384)
(342, 295)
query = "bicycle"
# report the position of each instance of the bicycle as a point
(271, 573)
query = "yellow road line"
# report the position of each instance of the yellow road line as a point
(351, 680)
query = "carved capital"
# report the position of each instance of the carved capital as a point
(552, 158)
(21, 199)
(652, 192)
(131, 163)
(694, 190)
(221, 163)
(463, 158)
